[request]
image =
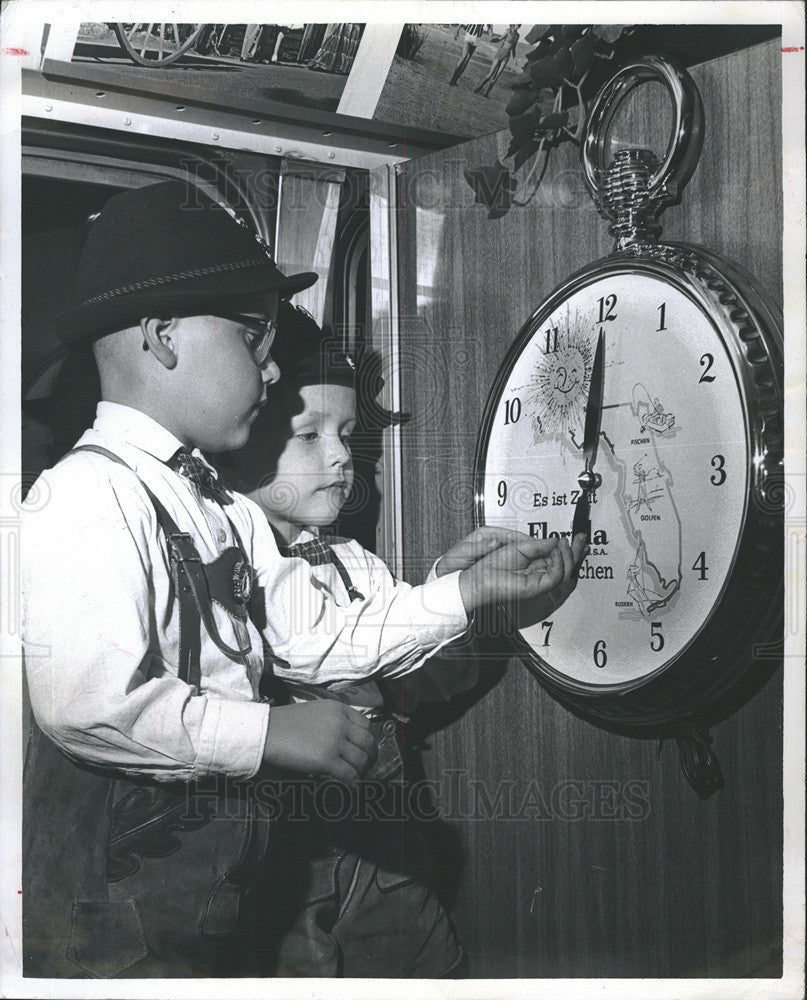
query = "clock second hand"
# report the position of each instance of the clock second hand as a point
(590, 480)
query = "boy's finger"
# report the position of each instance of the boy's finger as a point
(546, 573)
(488, 538)
(534, 548)
(343, 771)
(356, 758)
(578, 547)
(362, 738)
(558, 563)
(359, 724)
(568, 559)
(355, 717)
(504, 535)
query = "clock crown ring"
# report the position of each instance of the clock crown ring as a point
(632, 188)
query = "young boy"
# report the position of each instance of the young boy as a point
(148, 595)
(378, 916)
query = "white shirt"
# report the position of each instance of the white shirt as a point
(100, 626)
(369, 574)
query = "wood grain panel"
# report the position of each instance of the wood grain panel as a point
(608, 864)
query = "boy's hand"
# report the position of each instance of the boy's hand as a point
(476, 546)
(538, 608)
(325, 738)
(523, 570)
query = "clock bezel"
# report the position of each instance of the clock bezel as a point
(750, 332)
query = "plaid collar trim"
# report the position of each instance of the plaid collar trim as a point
(316, 551)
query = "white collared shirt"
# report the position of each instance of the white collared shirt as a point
(101, 631)
(370, 574)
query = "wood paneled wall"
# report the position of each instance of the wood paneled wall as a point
(669, 885)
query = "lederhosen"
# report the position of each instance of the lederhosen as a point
(133, 877)
(351, 884)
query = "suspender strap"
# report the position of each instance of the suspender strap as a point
(190, 584)
(186, 558)
(180, 550)
(164, 519)
(352, 592)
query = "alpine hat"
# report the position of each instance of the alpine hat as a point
(162, 249)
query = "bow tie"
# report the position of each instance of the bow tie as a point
(316, 551)
(204, 478)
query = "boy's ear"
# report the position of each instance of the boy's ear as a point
(157, 339)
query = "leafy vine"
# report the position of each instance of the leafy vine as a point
(547, 107)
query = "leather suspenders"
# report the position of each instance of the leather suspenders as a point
(229, 577)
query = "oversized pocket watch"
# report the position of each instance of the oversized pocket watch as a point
(641, 403)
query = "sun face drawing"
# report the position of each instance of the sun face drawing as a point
(561, 375)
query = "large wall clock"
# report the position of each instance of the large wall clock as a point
(642, 403)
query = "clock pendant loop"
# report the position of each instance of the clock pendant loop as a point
(626, 195)
(634, 187)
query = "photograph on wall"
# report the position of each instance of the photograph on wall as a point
(458, 75)
(303, 64)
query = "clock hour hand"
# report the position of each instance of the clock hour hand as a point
(581, 525)
(589, 480)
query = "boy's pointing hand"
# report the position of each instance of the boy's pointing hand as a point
(522, 569)
(476, 546)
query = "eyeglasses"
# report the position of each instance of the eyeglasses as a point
(258, 334)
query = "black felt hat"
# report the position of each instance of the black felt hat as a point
(305, 354)
(162, 248)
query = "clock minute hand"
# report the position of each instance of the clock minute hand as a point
(589, 480)
(591, 432)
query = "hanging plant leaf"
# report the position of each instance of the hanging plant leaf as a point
(536, 32)
(524, 81)
(520, 102)
(552, 122)
(567, 32)
(546, 47)
(514, 145)
(525, 151)
(543, 72)
(582, 54)
(493, 187)
(608, 32)
(546, 100)
(550, 72)
(527, 123)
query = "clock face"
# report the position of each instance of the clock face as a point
(672, 455)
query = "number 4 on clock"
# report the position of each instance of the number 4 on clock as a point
(700, 567)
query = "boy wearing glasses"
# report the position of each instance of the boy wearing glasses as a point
(149, 593)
